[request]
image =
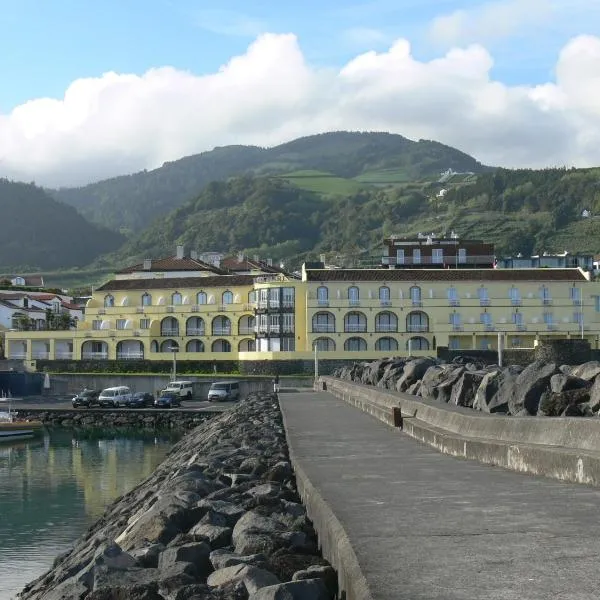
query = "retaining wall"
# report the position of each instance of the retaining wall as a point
(566, 448)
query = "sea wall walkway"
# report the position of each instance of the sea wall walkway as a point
(400, 520)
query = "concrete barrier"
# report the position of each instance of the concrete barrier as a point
(566, 448)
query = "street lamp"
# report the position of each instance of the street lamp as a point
(316, 349)
(174, 350)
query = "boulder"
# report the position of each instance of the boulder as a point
(216, 536)
(196, 553)
(307, 589)
(554, 404)
(252, 577)
(529, 386)
(255, 533)
(437, 375)
(465, 389)
(562, 383)
(414, 370)
(324, 572)
(230, 511)
(587, 371)
(222, 558)
(392, 372)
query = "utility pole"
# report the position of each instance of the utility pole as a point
(316, 362)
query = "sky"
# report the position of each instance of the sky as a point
(90, 90)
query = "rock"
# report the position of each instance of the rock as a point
(280, 472)
(215, 535)
(252, 577)
(594, 401)
(148, 555)
(307, 589)
(465, 389)
(230, 511)
(562, 383)
(529, 386)
(196, 553)
(285, 563)
(326, 573)
(222, 558)
(106, 577)
(438, 381)
(148, 591)
(587, 371)
(414, 370)
(265, 490)
(254, 533)
(553, 404)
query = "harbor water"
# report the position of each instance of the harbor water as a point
(53, 488)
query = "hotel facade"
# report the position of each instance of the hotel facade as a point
(253, 312)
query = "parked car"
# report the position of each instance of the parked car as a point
(184, 389)
(86, 398)
(141, 400)
(114, 396)
(167, 400)
(224, 390)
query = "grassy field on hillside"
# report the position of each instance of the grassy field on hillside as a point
(384, 177)
(322, 182)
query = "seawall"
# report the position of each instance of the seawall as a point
(565, 448)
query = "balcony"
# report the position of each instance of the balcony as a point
(450, 260)
(488, 327)
(130, 355)
(195, 331)
(456, 327)
(355, 328)
(322, 302)
(516, 301)
(546, 301)
(417, 303)
(353, 302)
(414, 328)
(385, 302)
(222, 331)
(521, 327)
(17, 355)
(139, 310)
(323, 328)
(274, 329)
(551, 326)
(168, 332)
(454, 302)
(40, 355)
(244, 331)
(386, 328)
(484, 302)
(288, 303)
(94, 355)
(64, 355)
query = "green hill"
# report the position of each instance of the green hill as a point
(40, 233)
(130, 203)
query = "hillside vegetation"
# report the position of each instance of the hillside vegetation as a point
(40, 233)
(284, 218)
(351, 161)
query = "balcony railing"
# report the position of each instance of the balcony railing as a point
(516, 301)
(385, 328)
(551, 327)
(222, 331)
(387, 302)
(323, 328)
(288, 303)
(416, 302)
(94, 355)
(169, 331)
(40, 355)
(64, 355)
(451, 260)
(354, 302)
(17, 355)
(355, 327)
(323, 301)
(457, 327)
(454, 302)
(246, 331)
(484, 301)
(546, 301)
(411, 328)
(195, 331)
(130, 355)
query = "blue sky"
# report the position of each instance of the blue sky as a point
(90, 90)
(45, 45)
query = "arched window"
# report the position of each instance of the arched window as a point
(386, 344)
(417, 321)
(385, 296)
(146, 299)
(353, 295)
(201, 298)
(324, 344)
(323, 322)
(109, 301)
(194, 346)
(194, 326)
(386, 322)
(355, 322)
(247, 345)
(415, 295)
(417, 343)
(252, 297)
(221, 346)
(154, 346)
(169, 346)
(221, 326)
(246, 325)
(169, 326)
(176, 299)
(322, 296)
(227, 298)
(355, 344)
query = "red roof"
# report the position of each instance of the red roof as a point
(234, 264)
(172, 263)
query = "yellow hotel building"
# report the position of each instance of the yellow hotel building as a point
(256, 312)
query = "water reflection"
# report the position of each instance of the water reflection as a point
(52, 489)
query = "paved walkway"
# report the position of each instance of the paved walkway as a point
(426, 526)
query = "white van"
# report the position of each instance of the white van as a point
(224, 390)
(184, 389)
(114, 396)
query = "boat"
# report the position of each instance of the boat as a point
(12, 428)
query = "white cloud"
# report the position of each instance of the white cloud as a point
(120, 123)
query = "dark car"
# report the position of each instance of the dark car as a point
(86, 398)
(141, 400)
(167, 400)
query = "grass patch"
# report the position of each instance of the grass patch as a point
(322, 182)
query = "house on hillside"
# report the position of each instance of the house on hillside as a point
(32, 281)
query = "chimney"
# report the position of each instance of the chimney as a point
(270, 262)
(256, 259)
(322, 258)
(194, 255)
(240, 257)
(147, 264)
(179, 252)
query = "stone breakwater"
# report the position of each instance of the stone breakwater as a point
(219, 519)
(117, 419)
(541, 388)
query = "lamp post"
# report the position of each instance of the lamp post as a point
(174, 350)
(581, 312)
(316, 361)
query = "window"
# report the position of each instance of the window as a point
(545, 295)
(385, 295)
(415, 295)
(353, 295)
(486, 319)
(274, 297)
(453, 295)
(288, 323)
(417, 256)
(322, 296)
(194, 346)
(578, 318)
(548, 318)
(386, 344)
(252, 297)
(454, 343)
(323, 322)
(455, 320)
(400, 256)
(462, 255)
(515, 296)
(121, 323)
(417, 343)
(575, 295)
(109, 301)
(274, 323)
(517, 319)
(288, 344)
(386, 322)
(221, 326)
(176, 299)
(144, 323)
(417, 321)
(597, 303)
(221, 346)
(484, 298)
(194, 326)
(96, 324)
(154, 346)
(437, 256)
(227, 298)
(324, 344)
(146, 299)
(169, 326)
(201, 298)
(355, 322)
(355, 344)
(288, 297)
